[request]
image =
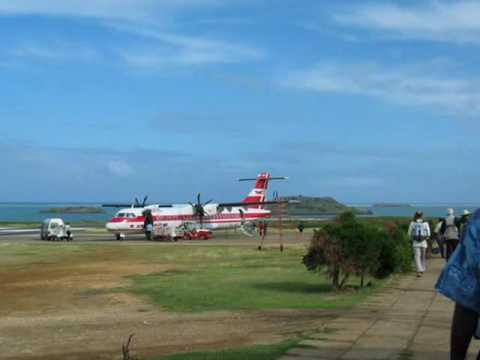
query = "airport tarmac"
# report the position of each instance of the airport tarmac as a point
(12, 231)
(100, 236)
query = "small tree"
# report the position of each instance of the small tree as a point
(328, 249)
(364, 249)
(326, 252)
(348, 246)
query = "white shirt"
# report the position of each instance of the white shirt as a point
(425, 231)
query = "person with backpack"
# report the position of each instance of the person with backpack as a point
(450, 232)
(419, 232)
(460, 282)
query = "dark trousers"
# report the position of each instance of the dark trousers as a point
(463, 327)
(451, 246)
(441, 245)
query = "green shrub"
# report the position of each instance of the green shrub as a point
(347, 246)
(326, 252)
(396, 255)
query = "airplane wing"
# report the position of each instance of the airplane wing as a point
(246, 204)
(134, 205)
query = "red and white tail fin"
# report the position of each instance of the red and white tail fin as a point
(259, 192)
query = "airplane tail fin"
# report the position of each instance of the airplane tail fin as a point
(259, 192)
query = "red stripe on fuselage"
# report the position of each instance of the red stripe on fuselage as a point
(212, 219)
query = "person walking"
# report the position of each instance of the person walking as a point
(459, 281)
(262, 229)
(68, 231)
(439, 237)
(462, 224)
(450, 232)
(148, 224)
(419, 232)
(300, 227)
(265, 229)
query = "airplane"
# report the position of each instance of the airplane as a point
(208, 215)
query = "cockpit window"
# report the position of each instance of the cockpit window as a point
(125, 215)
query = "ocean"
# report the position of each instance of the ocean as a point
(31, 212)
(429, 210)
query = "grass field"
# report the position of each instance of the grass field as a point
(20, 255)
(260, 352)
(205, 278)
(212, 296)
(227, 278)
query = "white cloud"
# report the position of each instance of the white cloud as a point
(120, 168)
(130, 10)
(452, 21)
(153, 48)
(174, 49)
(55, 52)
(409, 85)
(161, 57)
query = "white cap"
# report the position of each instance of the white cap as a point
(466, 212)
(450, 211)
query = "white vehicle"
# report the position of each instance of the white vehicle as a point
(163, 231)
(55, 229)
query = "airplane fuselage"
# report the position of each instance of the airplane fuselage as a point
(131, 220)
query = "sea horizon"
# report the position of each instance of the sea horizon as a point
(35, 211)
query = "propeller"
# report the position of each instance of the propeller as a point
(136, 204)
(199, 209)
(248, 228)
(141, 204)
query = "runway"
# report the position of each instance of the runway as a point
(18, 232)
(98, 236)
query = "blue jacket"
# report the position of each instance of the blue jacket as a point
(460, 280)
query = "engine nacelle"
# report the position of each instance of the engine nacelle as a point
(211, 209)
(249, 228)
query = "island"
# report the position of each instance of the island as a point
(391, 205)
(313, 205)
(74, 210)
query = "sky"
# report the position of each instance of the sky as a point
(370, 101)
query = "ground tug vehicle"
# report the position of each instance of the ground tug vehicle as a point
(55, 230)
(186, 231)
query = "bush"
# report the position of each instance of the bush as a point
(396, 254)
(347, 247)
(328, 251)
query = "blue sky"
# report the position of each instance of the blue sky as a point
(363, 101)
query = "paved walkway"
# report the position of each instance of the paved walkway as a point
(407, 321)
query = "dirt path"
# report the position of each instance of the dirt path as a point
(98, 333)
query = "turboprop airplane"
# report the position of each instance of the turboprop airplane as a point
(210, 216)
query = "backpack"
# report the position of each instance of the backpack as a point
(419, 232)
(451, 230)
